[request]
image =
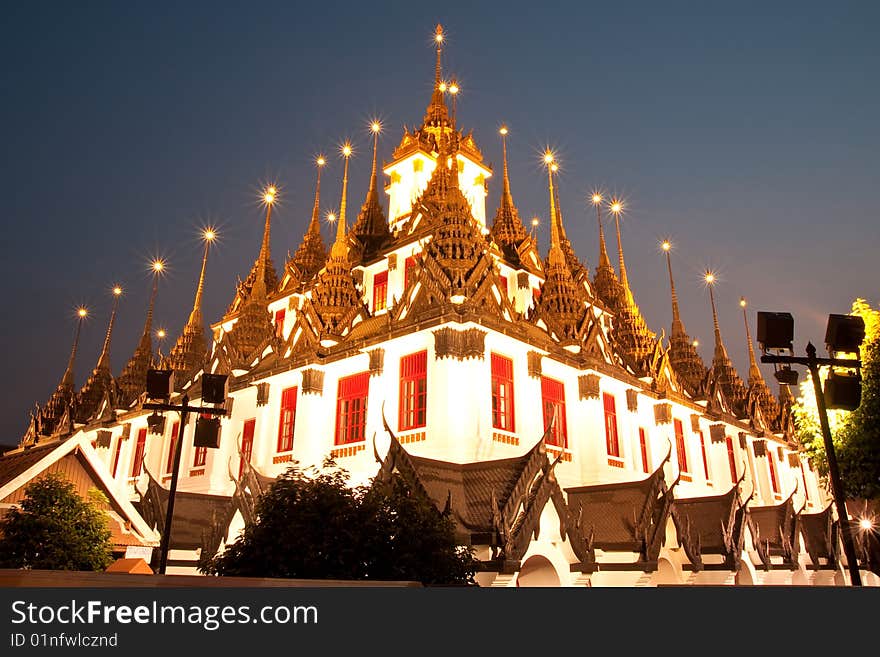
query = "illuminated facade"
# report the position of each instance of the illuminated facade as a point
(573, 444)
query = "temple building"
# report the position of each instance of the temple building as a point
(431, 336)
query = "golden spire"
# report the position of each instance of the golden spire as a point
(754, 372)
(556, 255)
(340, 248)
(437, 114)
(370, 228)
(507, 228)
(666, 245)
(719, 345)
(722, 369)
(604, 260)
(315, 223)
(195, 317)
(133, 378)
(616, 208)
(67, 381)
(104, 359)
(270, 195)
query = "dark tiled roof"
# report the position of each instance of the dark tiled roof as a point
(470, 486)
(820, 535)
(706, 518)
(14, 463)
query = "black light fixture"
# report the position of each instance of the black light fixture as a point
(214, 388)
(775, 331)
(844, 333)
(786, 375)
(207, 432)
(160, 384)
(843, 390)
(156, 422)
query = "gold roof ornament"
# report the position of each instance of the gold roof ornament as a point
(507, 229)
(683, 356)
(605, 281)
(64, 394)
(312, 252)
(263, 264)
(758, 389)
(133, 379)
(101, 385)
(189, 351)
(722, 373)
(437, 114)
(335, 296)
(371, 227)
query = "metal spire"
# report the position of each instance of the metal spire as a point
(104, 359)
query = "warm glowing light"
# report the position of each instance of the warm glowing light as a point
(742, 302)
(376, 127)
(666, 245)
(117, 290)
(710, 277)
(596, 198)
(554, 167)
(438, 34)
(503, 130)
(158, 265)
(616, 206)
(82, 312)
(209, 235)
(442, 87)
(270, 194)
(346, 150)
(320, 161)
(331, 217)
(866, 524)
(535, 221)
(453, 88)
(548, 157)
(696, 343)
(160, 334)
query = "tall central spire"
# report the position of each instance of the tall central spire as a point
(104, 359)
(133, 379)
(758, 389)
(677, 326)
(723, 371)
(507, 228)
(604, 260)
(616, 208)
(68, 381)
(683, 356)
(371, 228)
(556, 256)
(437, 115)
(195, 316)
(98, 396)
(340, 248)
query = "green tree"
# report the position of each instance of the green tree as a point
(54, 528)
(313, 525)
(856, 434)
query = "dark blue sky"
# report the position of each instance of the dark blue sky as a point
(745, 131)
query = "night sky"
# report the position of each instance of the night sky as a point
(745, 132)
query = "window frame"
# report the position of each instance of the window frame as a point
(502, 392)
(247, 443)
(288, 401)
(553, 394)
(413, 391)
(680, 446)
(380, 282)
(169, 462)
(351, 389)
(612, 429)
(140, 452)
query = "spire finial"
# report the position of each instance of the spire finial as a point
(269, 196)
(616, 207)
(506, 179)
(339, 246)
(438, 39)
(104, 359)
(375, 128)
(710, 279)
(437, 115)
(68, 379)
(596, 199)
(754, 372)
(157, 266)
(666, 245)
(195, 317)
(555, 237)
(315, 223)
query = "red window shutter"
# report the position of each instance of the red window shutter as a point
(140, 446)
(116, 455)
(351, 408)
(680, 447)
(380, 291)
(247, 443)
(504, 286)
(413, 391)
(612, 442)
(536, 293)
(643, 446)
(731, 459)
(169, 464)
(279, 322)
(287, 419)
(502, 392)
(553, 406)
(771, 463)
(200, 457)
(705, 456)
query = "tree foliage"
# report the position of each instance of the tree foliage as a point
(54, 528)
(313, 525)
(856, 434)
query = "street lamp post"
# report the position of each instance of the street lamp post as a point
(773, 334)
(184, 409)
